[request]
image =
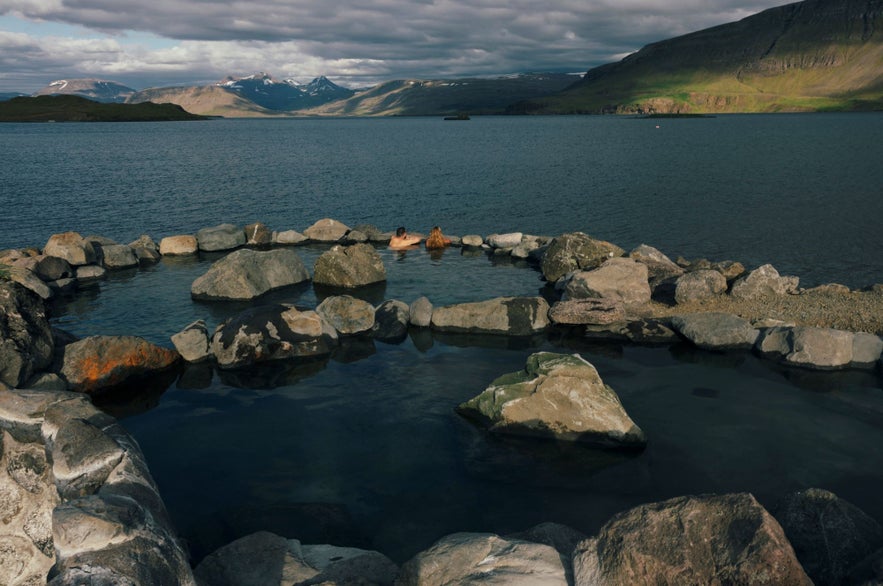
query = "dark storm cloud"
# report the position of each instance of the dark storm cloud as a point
(370, 40)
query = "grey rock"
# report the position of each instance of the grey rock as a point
(46, 381)
(355, 237)
(420, 311)
(179, 245)
(763, 281)
(349, 267)
(289, 238)
(371, 231)
(513, 316)
(246, 274)
(716, 331)
(119, 256)
(26, 343)
(472, 241)
(221, 237)
(33, 283)
(326, 230)
(146, 256)
(509, 240)
(730, 269)
(600, 311)
(483, 558)
(829, 534)
(820, 348)
(706, 539)
(866, 349)
(71, 247)
(556, 396)
(774, 342)
(563, 538)
(258, 234)
(89, 273)
(349, 565)
(697, 285)
(192, 343)
(346, 314)
(391, 321)
(659, 267)
(144, 241)
(63, 286)
(620, 279)
(272, 332)
(527, 245)
(259, 559)
(52, 268)
(575, 251)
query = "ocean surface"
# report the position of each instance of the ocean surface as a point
(364, 448)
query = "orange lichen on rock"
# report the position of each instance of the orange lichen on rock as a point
(106, 361)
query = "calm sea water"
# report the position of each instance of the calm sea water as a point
(364, 448)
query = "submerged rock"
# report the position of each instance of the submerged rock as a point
(575, 251)
(513, 316)
(556, 396)
(246, 274)
(349, 267)
(709, 539)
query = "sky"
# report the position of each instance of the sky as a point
(355, 43)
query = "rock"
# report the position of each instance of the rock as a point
(866, 349)
(821, 348)
(697, 285)
(89, 273)
(716, 331)
(221, 237)
(71, 247)
(513, 316)
(348, 315)
(659, 267)
(349, 565)
(763, 281)
(289, 238)
(527, 245)
(100, 241)
(472, 241)
(599, 311)
(181, 245)
(258, 234)
(709, 539)
(391, 321)
(272, 332)
(246, 274)
(510, 240)
(420, 311)
(563, 538)
(326, 230)
(730, 269)
(26, 343)
(46, 381)
(483, 558)
(33, 283)
(648, 331)
(52, 268)
(349, 267)
(556, 396)
(99, 363)
(371, 231)
(355, 237)
(144, 241)
(620, 279)
(829, 534)
(575, 251)
(192, 343)
(119, 256)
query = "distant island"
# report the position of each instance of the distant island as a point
(71, 108)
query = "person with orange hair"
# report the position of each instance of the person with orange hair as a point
(436, 239)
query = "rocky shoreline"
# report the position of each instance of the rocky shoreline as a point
(83, 503)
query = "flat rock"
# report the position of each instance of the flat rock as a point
(346, 314)
(180, 245)
(289, 238)
(246, 274)
(326, 230)
(221, 237)
(716, 331)
(599, 311)
(575, 251)
(349, 267)
(514, 316)
(508, 240)
(89, 273)
(472, 241)
(708, 539)
(556, 396)
(620, 279)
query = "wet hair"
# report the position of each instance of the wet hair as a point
(400, 231)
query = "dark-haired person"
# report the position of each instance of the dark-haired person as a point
(402, 239)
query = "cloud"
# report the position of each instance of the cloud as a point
(355, 42)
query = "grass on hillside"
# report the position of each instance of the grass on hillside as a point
(69, 108)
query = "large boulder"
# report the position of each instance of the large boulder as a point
(26, 343)
(621, 279)
(709, 539)
(266, 559)
(391, 321)
(71, 247)
(326, 230)
(221, 237)
(349, 267)
(716, 331)
(99, 363)
(346, 314)
(698, 285)
(575, 251)
(483, 558)
(829, 534)
(272, 332)
(659, 267)
(513, 316)
(118, 256)
(598, 311)
(820, 348)
(52, 268)
(763, 281)
(556, 396)
(246, 274)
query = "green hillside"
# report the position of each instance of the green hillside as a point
(68, 108)
(814, 55)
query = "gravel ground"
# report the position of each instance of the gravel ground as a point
(829, 307)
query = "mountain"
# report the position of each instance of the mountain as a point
(445, 96)
(808, 56)
(94, 89)
(285, 95)
(70, 108)
(9, 95)
(208, 100)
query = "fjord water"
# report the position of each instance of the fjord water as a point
(365, 449)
